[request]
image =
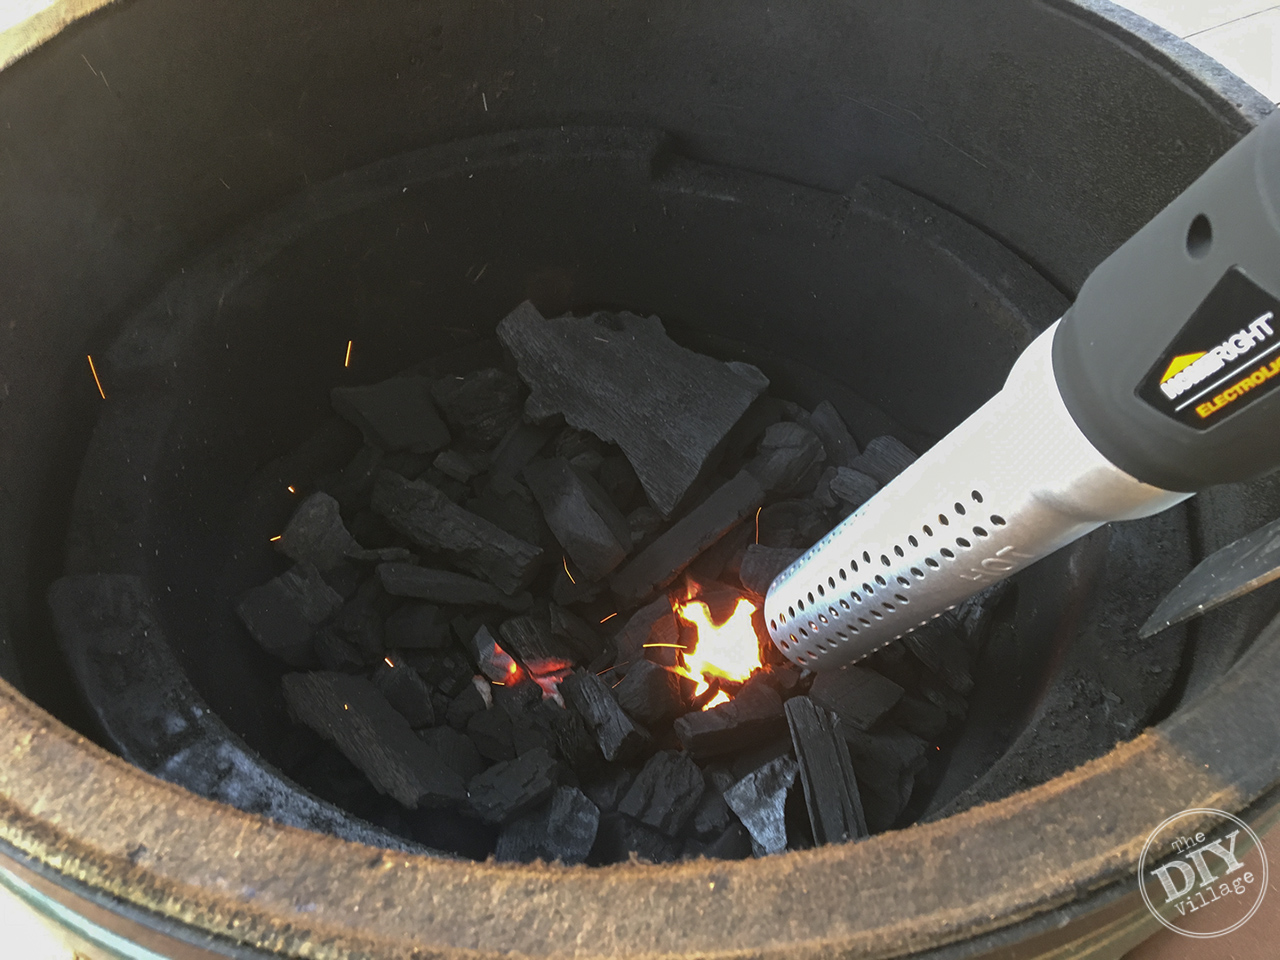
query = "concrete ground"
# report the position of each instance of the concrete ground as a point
(1244, 36)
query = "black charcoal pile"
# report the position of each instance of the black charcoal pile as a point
(476, 611)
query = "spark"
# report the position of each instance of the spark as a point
(565, 561)
(675, 646)
(758, 509)
(291, 490)
(94, 371)
(347, 362)
(485, 101)
(387, 661)
(278, 536)
(609, 617)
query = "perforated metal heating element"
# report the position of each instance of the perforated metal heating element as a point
(1014, 482)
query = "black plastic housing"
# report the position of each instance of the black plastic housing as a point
(1204, 270)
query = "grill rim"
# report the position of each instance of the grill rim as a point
(196, 877)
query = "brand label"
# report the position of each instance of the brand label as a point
(1226, 357)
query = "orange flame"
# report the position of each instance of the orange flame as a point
(728, 650)
(719, 698)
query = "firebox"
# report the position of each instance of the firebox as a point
(229, 229)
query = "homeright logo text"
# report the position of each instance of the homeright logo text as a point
(1189, 369)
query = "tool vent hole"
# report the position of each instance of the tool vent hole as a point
(831, 582)
(881, 580)
(977, 497)
(864, 621)
(900, 598)
(959, 508)
(942, 519)
(822, 591)
(946, 552)
(963, 542)
(898, 550)
(845, 603)
(930, 562)
(791, 611)
(979, 532)
(877, 614)
(773, 624)
(997, 520)
(1199, 237)
(868, 589)
(917, 573)
(884, 560)
(928, 530)
(913, 541)
(866, 557)
(811, 597)
(888, 606)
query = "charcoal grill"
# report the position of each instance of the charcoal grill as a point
(210, 200)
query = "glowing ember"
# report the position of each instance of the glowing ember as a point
(547, 674)
(504, 662)
(728, 650)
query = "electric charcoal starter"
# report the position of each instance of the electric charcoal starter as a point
(1161, 380)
